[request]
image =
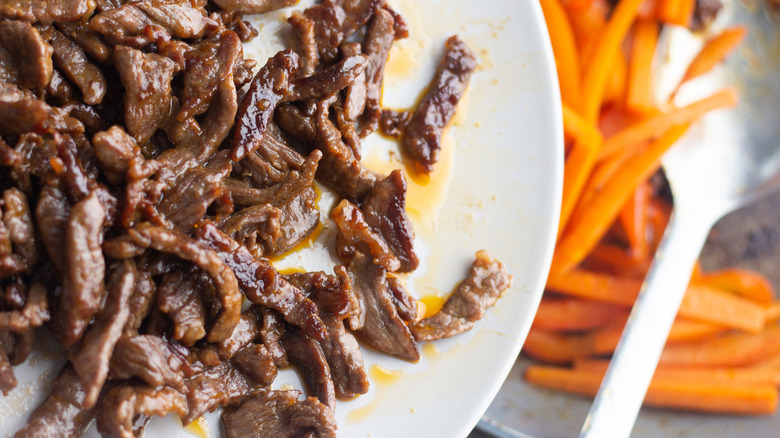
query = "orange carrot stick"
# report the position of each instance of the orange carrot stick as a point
(666, 392)
(735, 349)
(587, 26)
(572, 314)
(677, 12)
(596, 71)
(650, 128)
(598, 287)
(562, 348)
(639, 96)
(567, 60)
(617, 261)
(685, 330)
(740, 281)
(589, 222)
(633, 218)
(772, 312)
(617, 83)
(703, 303)
(713, 52)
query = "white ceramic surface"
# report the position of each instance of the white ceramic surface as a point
(498, 188)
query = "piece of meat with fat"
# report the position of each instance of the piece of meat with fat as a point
(337, 20)
(25, 58)
(179, 297)
(279, 414)
(253, 6)
(306, 353)
(45, 11)
(422, 137)
(122, 405)
(356, 235)
(152, 359)
(73, 62)
(382, 329)
(487, 281)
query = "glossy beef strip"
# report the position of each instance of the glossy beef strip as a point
(279, 194)
(337, 20)
(123, 404)
(333, 294)
(215, 386)
(74, 63)
(140, 302)
(298, 220)
(404, 303)
(51, 214)
(355, 92)
(327, 81)
(253, 6)
(356, 235)
(25, 58)
(279, 414)
(295, 123)
(152, 359)
(147, 81)
(91, 356)
(271, 332)
(262, 284)
(21, 111)
(114, 150)
(18, 221)
(247, 330)
(255, 362)
(379, 39)
(34, 312)
(179, 297)
(344, 358)
(272, 162)
(251, 225)
(422, 137)
(305, 353)
(168, 241)
(7, 378)
(45, 11)
(305, 43)
(61, 414)
(486, 282)
(383, 329)
(189, 199)
(269, 87)
(392, 123)
(89, 40)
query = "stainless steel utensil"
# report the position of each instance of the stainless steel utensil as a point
(728, 160)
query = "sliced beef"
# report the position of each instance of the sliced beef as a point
(51, 214)
(45, 11)
(74, 63)
(267, 90)
(392, 123)
(379, 39)
(7, 378)
(18, 220)
(114, 150)
(21, 111)
(146, 78)
(279, 414)
(151, 359)
(140, 302)
(90, 358)
(355, 92)
(422, 137)
(256, 363)
(244, 334)
(327, 81)
(295, 123)
(273, 162)
(305, 353)
(25, 58)
(337, 20)
(252, 225)
(305, 43)
(271, 332)
(179, 297)
(333, 294)
(344, 358)
(253, 6)
(123, 404)
(486, 282)
(187, 201)
(89, 40)
(215, 386)
(34, 313)
(356, 235)
(383, 329)
(299, 218)
(404, 303)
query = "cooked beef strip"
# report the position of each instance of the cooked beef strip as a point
(355, 92)
(213, 387)
(91, 356)
(82, 285)
(87, 39)
(23, 346)
(383, 329)
(392, 123)
(273, 161)
(59, 90)
(384, 209)
(379, 38)
(147, 81)
(158, 238)
(21, 111)
(305, 43)
(299, 218)
(333, 294)
(255, 362)
(253, 6)
(61, 414)
(45, 11)
(34, 313)
(51, 214)
(271, 332)
(187, 201)
(305, 353)
(404, 303)
(262, 284)
(179, 297)
(73, 62)
(18, 221)
(150, 358)
(337, 20)
(279, 414)
(25, 58)
(400, 27)
(250, 225)
(7, 378)
(356, 235)
(267, 90)
(245, 333)
(236, 23)
(422, 137)
(296, 124)
(140, 303)
(121, 406)
(327, 81)
(114, 150)
(344, 359)
(486, 282)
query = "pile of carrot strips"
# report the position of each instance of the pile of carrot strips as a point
(723, 352)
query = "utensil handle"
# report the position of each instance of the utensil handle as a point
(623, 389)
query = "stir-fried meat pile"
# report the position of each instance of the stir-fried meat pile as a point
(149, 172)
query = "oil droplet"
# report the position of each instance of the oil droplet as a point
(383, 376)
(199, 428)
(430, 351)
(362, 413)
(432, 304)
(290, 271)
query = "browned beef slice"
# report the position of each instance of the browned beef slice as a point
(333, 294)
(23, 346)
(262, 284)
(344, 359)
(279, 414)
(379, 38)
(20, 111)
(356, 235)
(253, 224)
(140, 302)
(267, 90)
(123, 404)
(299, 218)
(88, 39)
(385, 211)
(486, 282)
(187, 201)
(305, 353)
(45, 11)
(90, 358)
(114, 149)
(150, 359)
(305, 43)
(355, 92)
(327, 81)
(392, 123)
(422, 138)
(247, 330)
(7, 378)
(82, 288)
(179, 296)
(337, 20)
(169, 241)
(18, 220)
(271, 332)
(255, 362)
(147, 81)
(74, 63)
(25, 58)
(34, 313)
(61, 414)
(52, 214)
(273, 161)
(404, 303)
(126, 24)
(213, 387)
(383, 329)
(253, 6)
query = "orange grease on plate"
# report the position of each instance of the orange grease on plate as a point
(199, 428)
(380, 376)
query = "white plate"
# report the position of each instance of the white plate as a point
(498, 188)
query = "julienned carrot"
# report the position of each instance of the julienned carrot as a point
(772, 312)
(589, 222)
(561, 348)
(703, 303)
(714, 51)
(587, 26)
(734, 349)
(617, 261)
(650, 128)
(740, 281)
(666, 392)
(677, 12)
(596, 71)
(578, 5)
(579, 162)
(686, 330)
(617, 83)
(573, 314)
(633, 219)
(595, 286)
(567, 59)
(639, 96)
